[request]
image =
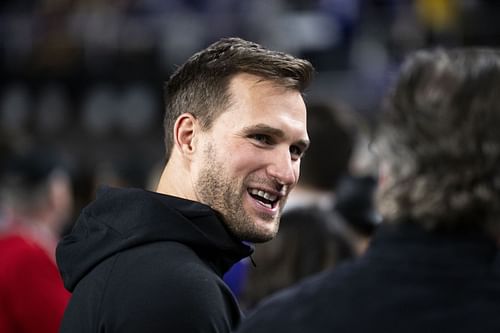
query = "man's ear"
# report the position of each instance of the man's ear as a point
(185, 128)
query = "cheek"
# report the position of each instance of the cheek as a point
(241, 157)
(244, 161)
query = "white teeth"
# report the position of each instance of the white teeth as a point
(270, 197)
(267, 205)
(265, 195)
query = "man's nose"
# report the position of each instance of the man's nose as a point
(282, 168)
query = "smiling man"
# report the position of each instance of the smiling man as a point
(247, 162)
(235, 132)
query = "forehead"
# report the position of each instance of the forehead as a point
(254, 100)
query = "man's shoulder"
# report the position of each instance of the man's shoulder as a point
(161, 286)
(166, 272)
(166, 282)
(21, 252)
(162, 260)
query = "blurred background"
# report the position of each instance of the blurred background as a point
(84, 78)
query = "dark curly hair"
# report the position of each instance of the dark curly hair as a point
(200, 85)
(440, 139)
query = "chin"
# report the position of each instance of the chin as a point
(254, 229)
(260, 236)
(263, 238)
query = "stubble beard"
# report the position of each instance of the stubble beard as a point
(225, 195)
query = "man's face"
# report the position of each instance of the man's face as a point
(249, 159)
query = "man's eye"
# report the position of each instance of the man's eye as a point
(261, 138)
(296, 152)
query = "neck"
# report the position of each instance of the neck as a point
(175, 181)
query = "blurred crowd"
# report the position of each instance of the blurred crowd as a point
(74, 73)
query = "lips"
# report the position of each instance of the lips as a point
(266, 198)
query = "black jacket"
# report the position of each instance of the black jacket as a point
(139, 261)
(408, 281)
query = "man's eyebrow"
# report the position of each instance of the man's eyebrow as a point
(266, 129)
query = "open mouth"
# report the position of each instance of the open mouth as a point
(267, 199)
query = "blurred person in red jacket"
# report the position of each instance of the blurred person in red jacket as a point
(36, 201)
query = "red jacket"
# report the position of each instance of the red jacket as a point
(32, 295)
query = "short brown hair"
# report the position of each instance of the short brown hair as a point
(200, 85)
